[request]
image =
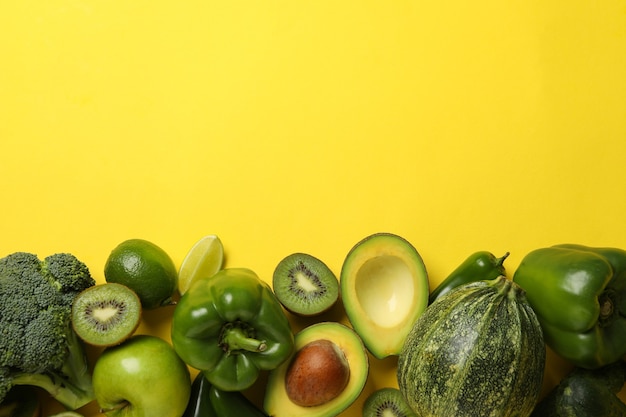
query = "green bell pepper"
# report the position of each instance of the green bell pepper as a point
(479, 266)
(231, 326)
(579, 295)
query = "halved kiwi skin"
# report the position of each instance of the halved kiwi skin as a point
(295, 272)
(120, 305)
(386, 402)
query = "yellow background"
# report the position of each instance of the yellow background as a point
(301, 125)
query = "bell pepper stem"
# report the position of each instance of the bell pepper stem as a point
(235, 338)
(607, 307)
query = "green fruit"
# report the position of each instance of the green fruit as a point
(286, 396)
(476, 351)
(106, 314)
(304, 285)
(141, 377)
(384, 288)
(387, 402)
(146, 269)
(204, 259)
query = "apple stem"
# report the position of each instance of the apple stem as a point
(117, 406)
(235, 338)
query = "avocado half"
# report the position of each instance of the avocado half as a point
(277, 403)
(384, 287)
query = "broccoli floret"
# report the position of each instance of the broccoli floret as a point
(37, 343)
(68, 272)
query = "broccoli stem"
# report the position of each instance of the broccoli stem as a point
(72, 385)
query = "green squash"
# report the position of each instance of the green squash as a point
(476, 351)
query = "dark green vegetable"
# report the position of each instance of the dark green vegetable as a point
(479, 266)
(579, 295)
(208, 401)
(199, 404)
(38, 345)
(477, 351)
(586, 393)
(231, 326)
(233, 404)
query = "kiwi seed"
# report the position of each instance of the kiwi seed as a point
(387, 402)
(106, 314)
(305, 285)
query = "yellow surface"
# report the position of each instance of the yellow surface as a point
(288, 126)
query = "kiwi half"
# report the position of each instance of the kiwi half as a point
(106, 314)
(387, 402)
(305, 285)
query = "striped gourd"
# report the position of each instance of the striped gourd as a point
(477, 351)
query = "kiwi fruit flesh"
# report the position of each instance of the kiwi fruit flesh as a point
(106, 314)
(305, 285)
(387, 402)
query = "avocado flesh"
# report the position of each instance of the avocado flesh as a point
(277, 403)
(384, 288)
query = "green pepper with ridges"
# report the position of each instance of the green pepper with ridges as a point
(579, 295)
(479, 266)
(231, 326)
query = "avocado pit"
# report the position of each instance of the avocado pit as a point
(318, 373)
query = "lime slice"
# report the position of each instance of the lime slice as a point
(204, 259)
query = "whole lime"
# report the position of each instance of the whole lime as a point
(146, 269)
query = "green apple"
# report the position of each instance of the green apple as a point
(142, 377)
